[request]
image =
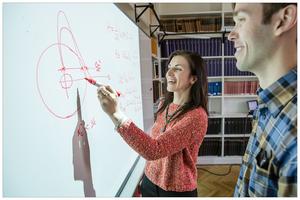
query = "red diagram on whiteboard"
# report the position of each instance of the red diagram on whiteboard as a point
(61, 69)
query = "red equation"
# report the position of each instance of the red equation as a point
(84, 127)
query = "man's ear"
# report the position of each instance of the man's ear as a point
(285, 19)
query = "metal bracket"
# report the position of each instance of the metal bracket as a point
(137, 16)
(162, 38)
(140, 6)
(153, 26)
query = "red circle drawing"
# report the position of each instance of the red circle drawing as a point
(66, 81)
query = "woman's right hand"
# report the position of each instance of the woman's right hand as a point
(108, 99)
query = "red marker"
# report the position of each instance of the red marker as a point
(93, 82)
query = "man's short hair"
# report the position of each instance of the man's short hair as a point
(269, 9)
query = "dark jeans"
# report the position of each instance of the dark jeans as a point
(149, 189)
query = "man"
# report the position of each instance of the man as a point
(265, 38)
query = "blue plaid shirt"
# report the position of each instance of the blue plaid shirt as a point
(269, 166)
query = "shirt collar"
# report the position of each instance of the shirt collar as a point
(279, 93)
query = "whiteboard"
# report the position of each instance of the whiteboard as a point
(48, 50)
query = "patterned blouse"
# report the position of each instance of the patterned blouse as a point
(171, 155)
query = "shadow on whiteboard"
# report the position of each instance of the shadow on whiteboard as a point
(81, 155)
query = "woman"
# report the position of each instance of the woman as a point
(171, 149)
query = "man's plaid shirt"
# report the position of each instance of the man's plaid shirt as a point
(269, 166)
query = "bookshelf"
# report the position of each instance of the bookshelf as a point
(229, 89)
(157, 75)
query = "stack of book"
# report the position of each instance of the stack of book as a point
(210, 147)
(235, 146)
(164, 68)
(199, 24)
(230, 68)
(169, 25)
(208, 23)
(228, 20)
(154, 46)
(163, 88)
(155, 71)
(214, 126)
(156, 89)
(240, 87)
(185, 25)
(238, 125)
(214, 88)
(205, 47)
(213, 67)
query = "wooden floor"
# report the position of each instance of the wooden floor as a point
(210, 185)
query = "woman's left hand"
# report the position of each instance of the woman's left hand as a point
(108, 99)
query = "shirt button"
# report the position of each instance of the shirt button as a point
(263, 116)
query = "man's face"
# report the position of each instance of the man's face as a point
(252, 39)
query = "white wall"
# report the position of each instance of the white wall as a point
(227, 7)
(191, 8)
(145, 19)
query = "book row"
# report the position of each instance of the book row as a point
(235, 146)
(230, 69)
(214, 126)
(213, 67)
(228, 21)
(232, 126)
(215, 88)
(210, 147)
(156, 90)
(238, 125)
(232, 146)
(200, 24)
(155, 70)
(205, 47)
(229, 49)
(240, 87)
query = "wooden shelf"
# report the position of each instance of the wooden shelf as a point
(215, 115)
(213, 136)
(215, 97)
(212, 57)
(240, 96)
(229, 57)
(218, 160)
(214, 77)
(240, 77)
(237, 115)
(236, 135)
(200, 35)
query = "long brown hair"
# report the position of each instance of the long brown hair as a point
(198, 93)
